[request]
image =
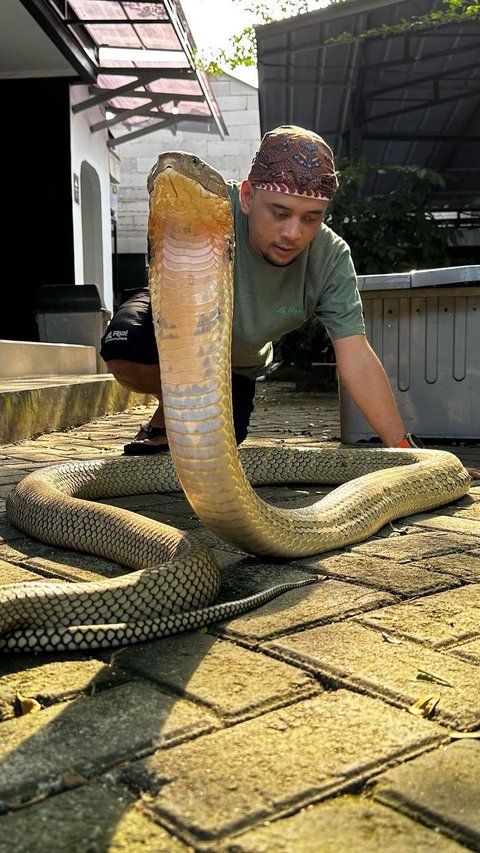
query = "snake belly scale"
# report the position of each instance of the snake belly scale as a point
(174, 579)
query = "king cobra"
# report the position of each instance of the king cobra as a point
(174, 579)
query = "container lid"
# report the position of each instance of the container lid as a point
(446, 276)
(442, 276)
(68, 298)
(390, 281)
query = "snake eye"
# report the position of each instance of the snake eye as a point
(195, 161)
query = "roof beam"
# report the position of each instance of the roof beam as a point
(159, 125)
(136, 70)
(150, 110)
(81, 22)
(148, 76)
(428, 78)
(436, 54)
(394, 113)
(81, 54)
(122, 115)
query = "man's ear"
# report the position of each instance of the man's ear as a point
(246, 196)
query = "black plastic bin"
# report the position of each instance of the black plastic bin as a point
(72, 314)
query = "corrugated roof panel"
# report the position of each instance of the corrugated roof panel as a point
(402, 99)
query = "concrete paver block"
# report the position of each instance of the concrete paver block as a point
(73, 566)
(88, 819)
(468, 526)
(242, 576)
(344, 825)
(465, 566)
(88, 736)
(415, 546)
(284, 760)
(301, 608)
(49, 682)
(233, 682)
(350, 655)
(467, 651)
(437, 620)
(10, 573)
(441, 788)
(44, 561)
(467, 507)
(19, 550)
(397, 577)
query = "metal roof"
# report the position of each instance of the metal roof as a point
(409, 99)
(138, 57)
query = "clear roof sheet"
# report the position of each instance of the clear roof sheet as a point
(145, 74)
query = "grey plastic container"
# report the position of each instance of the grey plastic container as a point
(425, 328)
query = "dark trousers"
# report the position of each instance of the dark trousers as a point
(130, 336)
(243, 393)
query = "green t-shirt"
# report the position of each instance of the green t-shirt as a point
(270, 301)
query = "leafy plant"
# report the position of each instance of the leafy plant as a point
(242, 51)
(243, 48)
(392, 232)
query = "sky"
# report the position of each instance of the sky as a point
(213, 23)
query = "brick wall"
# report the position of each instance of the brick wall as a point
(232, 156)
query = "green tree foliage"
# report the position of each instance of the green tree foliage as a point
(392, 232)
(242, 51)
(455, 11)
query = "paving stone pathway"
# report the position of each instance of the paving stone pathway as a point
(342, 716)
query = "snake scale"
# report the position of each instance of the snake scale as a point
(173, 581)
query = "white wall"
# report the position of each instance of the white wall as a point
(231, 156)
(91, 148)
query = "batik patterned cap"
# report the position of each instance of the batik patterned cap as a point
(295, 161)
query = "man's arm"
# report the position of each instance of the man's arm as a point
(363, 376)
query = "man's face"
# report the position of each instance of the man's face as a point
(280, 225)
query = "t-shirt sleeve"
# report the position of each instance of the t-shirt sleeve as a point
(339, 306)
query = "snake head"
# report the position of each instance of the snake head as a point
(189, 166)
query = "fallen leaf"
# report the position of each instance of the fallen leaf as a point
(422, 675)
(26, 704)
(398, 531)
(72, 779)
(392, 640)
(425, 705)
(462, 735)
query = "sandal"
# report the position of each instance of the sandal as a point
(139, 448)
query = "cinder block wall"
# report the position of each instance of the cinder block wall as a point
(232, 156)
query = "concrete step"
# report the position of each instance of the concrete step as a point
(31, 406)
(29, 358)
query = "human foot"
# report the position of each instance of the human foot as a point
(149, 439)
